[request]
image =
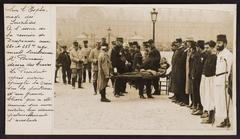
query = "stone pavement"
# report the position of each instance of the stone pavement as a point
(80, 109)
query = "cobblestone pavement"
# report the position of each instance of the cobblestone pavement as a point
(80, 109)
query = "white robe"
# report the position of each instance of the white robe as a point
(224, 63)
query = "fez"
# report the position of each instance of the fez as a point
(75, 43)
(222, 37)
(200, 44)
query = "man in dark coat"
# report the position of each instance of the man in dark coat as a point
(196, 74)
(155, 57)
(65, 61)
(179, 71)
(118, 65)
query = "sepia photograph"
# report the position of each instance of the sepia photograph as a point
(145, 69)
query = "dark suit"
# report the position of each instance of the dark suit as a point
(65, 60)
(117, 59)
(155, 57)
(179, 75)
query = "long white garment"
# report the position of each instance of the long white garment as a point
(202, 92)
(224, 57)
(209, 93)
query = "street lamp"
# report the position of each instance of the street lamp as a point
(154, 19)
(109, 31)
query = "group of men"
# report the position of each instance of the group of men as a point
(201, 73)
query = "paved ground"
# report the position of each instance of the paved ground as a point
(80, 109)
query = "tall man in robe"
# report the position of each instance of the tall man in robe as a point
(76, 65)
(223, 67)
(104, 66)
(93, 57)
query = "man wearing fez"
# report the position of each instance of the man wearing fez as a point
(179, 74)
(104, 66)
(223, 69)
(118, 64)
(155, 57)
(209, 69)
(65, 61)
(93, 57)
(86, 62)
(195, 74)
(76, 65)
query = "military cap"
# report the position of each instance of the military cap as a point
(85, 41)
(179, 40)
(222, 37)
(119, 39)
(150, 41)
(135, 43)
(200, 44)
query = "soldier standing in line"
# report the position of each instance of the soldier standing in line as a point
(93, 57)
(86, 62)
(76, 65)
(104, 66)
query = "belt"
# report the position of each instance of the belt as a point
(222, 73)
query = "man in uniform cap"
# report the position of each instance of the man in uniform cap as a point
(86, 62)
(223, 69)
(104, 66)
(76, 65)
(93, 57)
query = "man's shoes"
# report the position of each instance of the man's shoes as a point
(55, 81)
(105, 100)
(183, 104)
(121, 94)
(69, 82)
(116, 95)
(206, 121)
(205, 114)
(193, 107)
(80, 87)
(95, 93)
(198, 112)
(125, 92)
(189, 106)
(225, 123)
(142, 97)
(172, 97)
(156, 93)
(150, 97)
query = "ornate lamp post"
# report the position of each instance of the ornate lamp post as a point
(109, 32)
(154, 14)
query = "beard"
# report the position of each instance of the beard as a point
(220, 47)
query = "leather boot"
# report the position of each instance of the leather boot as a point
(79, 84)
(95, 88)
(73, 82)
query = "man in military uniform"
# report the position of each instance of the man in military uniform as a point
(86, 62)
(76, 65)
(223, 67)
(58, 51)
(65, 61)
(93, 57)
(155, 57)
(104, 66)
(118, 65)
